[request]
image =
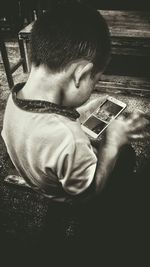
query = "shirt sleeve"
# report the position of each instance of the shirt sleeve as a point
(77, 164)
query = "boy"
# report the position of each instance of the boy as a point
(70, 48)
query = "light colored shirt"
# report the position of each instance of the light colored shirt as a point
(49, 149)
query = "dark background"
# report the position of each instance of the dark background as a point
(23, 8)
(15, 14)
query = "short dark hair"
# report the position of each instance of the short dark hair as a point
(68, 33)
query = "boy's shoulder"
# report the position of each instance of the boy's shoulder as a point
(61, 127)
(44, 119)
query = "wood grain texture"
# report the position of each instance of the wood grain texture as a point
(124, 85)
(128, 23)
(129, 30)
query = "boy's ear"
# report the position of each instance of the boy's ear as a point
(81, 71)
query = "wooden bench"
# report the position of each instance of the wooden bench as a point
(24, 37)
(130, 31)
(9, 70)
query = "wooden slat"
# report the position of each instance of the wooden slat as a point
(26, 32)
(124, 84)
(131, 46)
(17, 65)
(128, 23)
(130, 31)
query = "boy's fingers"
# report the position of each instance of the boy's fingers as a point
(139, 125)
(136, 123)
(139, 136)
(120, 118)
(137, 115)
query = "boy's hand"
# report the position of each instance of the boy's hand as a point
(122, 131)
(89, 107)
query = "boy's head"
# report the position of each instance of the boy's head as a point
(70, 33)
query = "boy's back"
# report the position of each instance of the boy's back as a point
(48, 149)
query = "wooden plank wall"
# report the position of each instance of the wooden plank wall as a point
(129, 69)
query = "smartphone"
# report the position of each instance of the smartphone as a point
(100, 119)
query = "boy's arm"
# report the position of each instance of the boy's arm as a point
(119, 132)
(107, 156)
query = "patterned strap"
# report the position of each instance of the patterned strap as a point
(40, 106)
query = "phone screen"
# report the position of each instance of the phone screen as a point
(102, 116)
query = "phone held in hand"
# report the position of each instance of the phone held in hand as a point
(100, 119)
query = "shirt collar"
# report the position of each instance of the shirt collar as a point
(40, 106)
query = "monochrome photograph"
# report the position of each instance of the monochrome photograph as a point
(74, 132)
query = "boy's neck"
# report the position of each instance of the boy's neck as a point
(43, 85)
